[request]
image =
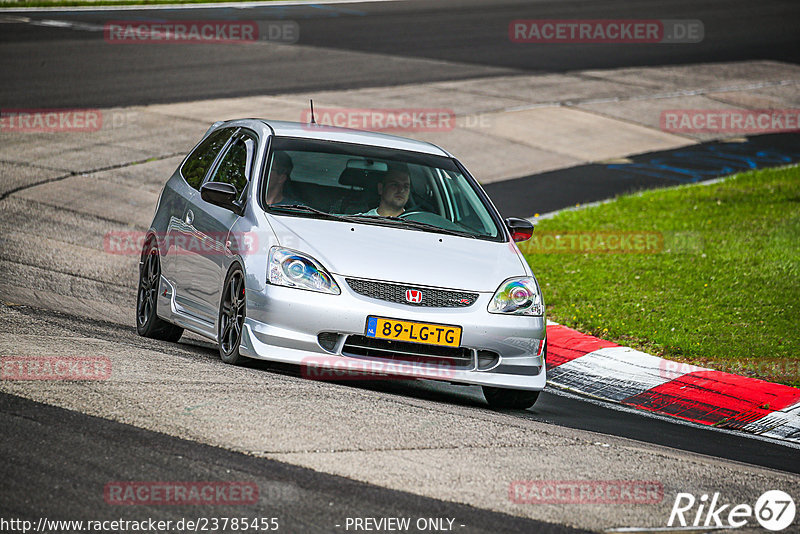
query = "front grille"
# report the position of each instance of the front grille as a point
(369, 347)
(431, 298)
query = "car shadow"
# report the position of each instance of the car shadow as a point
(421, 389)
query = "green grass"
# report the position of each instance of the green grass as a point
(723, 291)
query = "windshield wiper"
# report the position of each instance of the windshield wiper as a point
(432, 227)
(308, 209)
(371, 218)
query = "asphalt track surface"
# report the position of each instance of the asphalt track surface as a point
(344, 46)
(57, 469)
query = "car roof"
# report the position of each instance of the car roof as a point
(346, 135)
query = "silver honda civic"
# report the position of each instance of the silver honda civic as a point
(348, 253)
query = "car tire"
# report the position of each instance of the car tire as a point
(232, 312)
(509, 399)
(148, 323)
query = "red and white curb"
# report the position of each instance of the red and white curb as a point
(601, 369)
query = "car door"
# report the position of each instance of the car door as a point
(202, 267)
(181, 194)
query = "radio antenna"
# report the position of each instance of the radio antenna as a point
(312, 111)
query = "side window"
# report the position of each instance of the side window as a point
(234, 167)
(198, 163)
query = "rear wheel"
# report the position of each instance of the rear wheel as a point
(509, 399)
(148, 324)
(231, 317)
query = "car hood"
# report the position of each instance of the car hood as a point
(399, 254)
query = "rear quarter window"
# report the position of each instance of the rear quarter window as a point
(198, 163)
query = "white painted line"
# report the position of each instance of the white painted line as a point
(73, 25)
(211, 5)
(551, 214)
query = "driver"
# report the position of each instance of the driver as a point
(393, 190)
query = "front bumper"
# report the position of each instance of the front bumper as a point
(283, 324)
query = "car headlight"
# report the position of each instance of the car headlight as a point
(518, 296)
(294, 269)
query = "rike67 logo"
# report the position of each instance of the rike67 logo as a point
(774, 510)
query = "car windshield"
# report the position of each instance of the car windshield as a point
(375, 185)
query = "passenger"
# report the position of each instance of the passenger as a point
(279, 185)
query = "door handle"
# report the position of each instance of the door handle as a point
(189, 217)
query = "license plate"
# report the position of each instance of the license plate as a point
(425, 333)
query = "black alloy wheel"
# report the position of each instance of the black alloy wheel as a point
(231, 317)
(148, 323)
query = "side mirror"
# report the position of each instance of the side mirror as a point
(220, 194)
(521, 230)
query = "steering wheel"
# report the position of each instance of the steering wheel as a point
(407, 213)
